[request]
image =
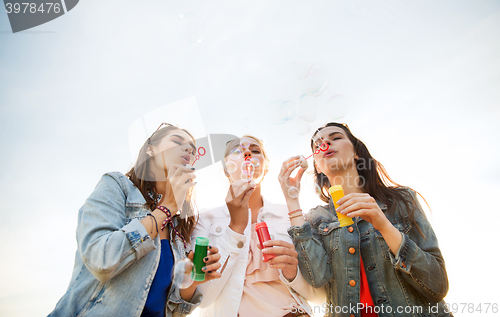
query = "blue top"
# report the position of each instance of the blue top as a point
(155, 303)
(157, 296)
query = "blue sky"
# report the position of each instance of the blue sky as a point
(419, 80)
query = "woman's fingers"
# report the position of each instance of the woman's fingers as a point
(211, 267)
(280, 251)
(212, 258)
(283, 260)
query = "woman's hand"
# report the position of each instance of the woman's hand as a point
(286, 257)
(286, 181)
(365, 206)
(237, 203)
(212, 265)
(181, 178)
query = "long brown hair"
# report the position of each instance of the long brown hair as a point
(376, 181)
(144, 179)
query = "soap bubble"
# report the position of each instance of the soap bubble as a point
(182, 273)
(314, 80)
(231, 167)
(190, 28)
(246, 175)
(247, 166)
(293, 192)
(281, 111)
(235, 154)
(336, 107)
(245, 143)
(302, 127)
(324, 146)
(307, 108)
(255, 162)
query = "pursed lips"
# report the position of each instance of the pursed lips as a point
(186, 158)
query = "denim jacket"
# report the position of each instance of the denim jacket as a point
(116, 259)
(412, 282)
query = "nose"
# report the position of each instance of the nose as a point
(187, 148)
(247, 155)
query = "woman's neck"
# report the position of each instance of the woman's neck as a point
(255, 203)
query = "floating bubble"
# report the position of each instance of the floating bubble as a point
(293, 192)
(336, 107)
(314, 80)
(246, 175)
(255, 162)
(190, 28)
(247, 166)
(324, 146)
(307, 108)
(302, 127)
(235, 154)
(231, 166)
(281, 111)
(182, 273)
(245, 143)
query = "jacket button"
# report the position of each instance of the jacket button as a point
(352, 283)
(325, 230)
(240, 244)
(350, 229)
(218, 229)
(403, 264)
(352, 250)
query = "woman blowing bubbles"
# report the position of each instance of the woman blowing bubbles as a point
(386, 262)
(131, 230)
(249, 286)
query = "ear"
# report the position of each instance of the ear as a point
(356, 156)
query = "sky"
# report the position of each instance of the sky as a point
(416, 81)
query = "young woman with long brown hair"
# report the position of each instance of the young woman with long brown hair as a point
(387, 262)
(131, 231)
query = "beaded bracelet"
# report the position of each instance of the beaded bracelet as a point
(168, 220)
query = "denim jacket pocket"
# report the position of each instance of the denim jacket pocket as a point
(330, 235)
(403, 225)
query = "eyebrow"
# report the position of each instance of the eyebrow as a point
(333, 133)
(190, 143)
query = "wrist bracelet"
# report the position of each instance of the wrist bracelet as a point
(295, 216)
(293, 211)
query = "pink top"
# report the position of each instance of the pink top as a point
(263, 292)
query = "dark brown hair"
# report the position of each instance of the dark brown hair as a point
(376, 181)
(144, 179)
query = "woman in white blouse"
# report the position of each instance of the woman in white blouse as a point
(249, 286)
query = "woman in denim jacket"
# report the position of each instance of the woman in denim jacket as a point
(128, 240)
(388, 262)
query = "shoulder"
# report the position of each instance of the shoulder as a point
(208, 214)
(116, 182)
(320, 213)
